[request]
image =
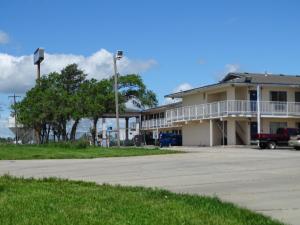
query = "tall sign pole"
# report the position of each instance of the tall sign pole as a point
(38, 75)
(38, 57)
(15, 112)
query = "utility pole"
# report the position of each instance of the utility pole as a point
(15, 112)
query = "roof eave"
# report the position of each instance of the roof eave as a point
(217, 85)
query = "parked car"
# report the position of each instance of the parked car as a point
(280, 138)
(170, 139)
(295, 141)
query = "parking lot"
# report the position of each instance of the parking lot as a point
(266, 181)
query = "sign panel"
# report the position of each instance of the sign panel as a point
(38, 56)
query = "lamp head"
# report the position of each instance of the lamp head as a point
(119, 55)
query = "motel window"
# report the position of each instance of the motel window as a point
(297, 96)
(278, 96)
(275, 125)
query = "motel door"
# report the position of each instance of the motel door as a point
(253, 99)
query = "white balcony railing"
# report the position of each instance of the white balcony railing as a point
(223, 109)
(156, 123)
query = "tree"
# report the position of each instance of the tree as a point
(52, 103)
(132, 86)
(61, 97)
(71, 80)
(93, 95)
(31, 112)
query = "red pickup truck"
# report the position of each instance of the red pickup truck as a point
(281, 138)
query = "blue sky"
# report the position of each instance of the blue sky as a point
(169, 42)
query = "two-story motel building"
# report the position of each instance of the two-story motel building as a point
(231, 111)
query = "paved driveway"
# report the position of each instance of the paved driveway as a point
(264, 181)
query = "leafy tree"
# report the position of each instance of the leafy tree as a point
(61, 97)
(94, 96)
(132, 86)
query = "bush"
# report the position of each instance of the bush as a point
(81, 144)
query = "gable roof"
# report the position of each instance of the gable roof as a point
(259, 78)
(245, 79)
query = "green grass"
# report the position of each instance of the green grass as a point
(60, 202)
(13, 152)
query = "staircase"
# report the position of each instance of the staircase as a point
(221, 130)
(240, 132)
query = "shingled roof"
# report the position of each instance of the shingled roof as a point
(245, 79)
(258, 78)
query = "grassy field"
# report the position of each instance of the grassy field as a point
(12, 152)
(60, 202)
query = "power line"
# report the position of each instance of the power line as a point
(15, 112)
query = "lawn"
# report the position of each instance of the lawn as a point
(59, 202)
(12, 152)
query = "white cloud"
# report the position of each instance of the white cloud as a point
(18, 72)
(228, 68)
(231, 68)
(179, 88)
(182, 87)
(4, 38)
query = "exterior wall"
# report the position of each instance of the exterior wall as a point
(196, 134)
(241, 93)
(231, 132)
(194, 99)
(265, 123)
(211, 96)
(265, 93)
(220, 96)
(231, 93)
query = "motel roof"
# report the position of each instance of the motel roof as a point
(242, 79)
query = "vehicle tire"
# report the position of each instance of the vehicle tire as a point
(262, 146)
(271, 145)
(297, 148)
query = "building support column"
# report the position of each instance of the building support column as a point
(104, 134)
(258, 109)
(126, 129)
(231, 132)
(138, 124)
(248, 132)
(211, 134)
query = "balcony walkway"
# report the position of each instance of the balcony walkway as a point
(221, 109)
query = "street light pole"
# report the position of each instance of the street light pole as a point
(116, 57)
